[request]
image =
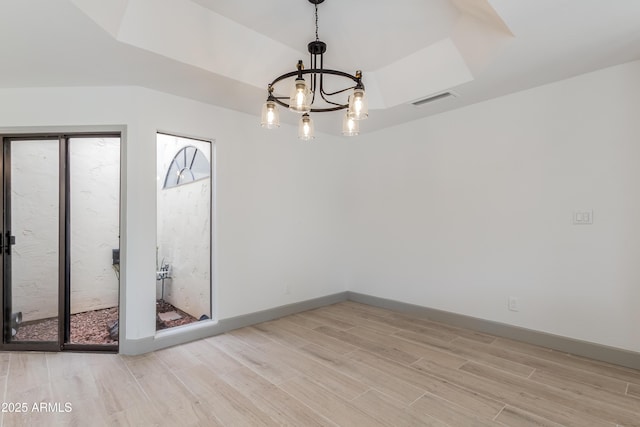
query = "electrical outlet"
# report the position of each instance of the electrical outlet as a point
(514, 304)
(583, 217)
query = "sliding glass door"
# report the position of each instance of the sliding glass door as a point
(31, 243)
(60, 242)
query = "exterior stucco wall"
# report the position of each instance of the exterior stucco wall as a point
(184, 232)
(95, 180)
(94, 170)
(34, 223)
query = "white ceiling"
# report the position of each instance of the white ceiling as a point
(345, 26)
(224, 52)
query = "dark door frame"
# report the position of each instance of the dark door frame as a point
(64, 255)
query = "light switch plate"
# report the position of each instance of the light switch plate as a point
(583, 217)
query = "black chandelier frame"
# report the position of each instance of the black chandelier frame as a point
(316, 49)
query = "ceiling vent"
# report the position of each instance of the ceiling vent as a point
(434, 98)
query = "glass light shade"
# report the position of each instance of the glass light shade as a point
(358, 108)
(270, 115)
(350, 126)
(300, 99)
(305, 129)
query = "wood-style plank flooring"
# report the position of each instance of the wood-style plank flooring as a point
(347, 364)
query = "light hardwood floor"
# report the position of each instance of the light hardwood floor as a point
(347, 364)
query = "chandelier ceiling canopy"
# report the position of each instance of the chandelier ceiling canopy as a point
(313, 96)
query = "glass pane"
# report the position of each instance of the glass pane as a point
(35, 225)
(183, 253)
(94, 200)
(200, 166)
(188, 164)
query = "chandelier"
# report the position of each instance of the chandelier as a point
(312, 96)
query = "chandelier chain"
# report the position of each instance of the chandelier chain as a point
(317, 38)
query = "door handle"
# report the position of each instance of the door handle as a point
(10, 240)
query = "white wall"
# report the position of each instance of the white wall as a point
(279, 216)
(184, 232)
(462, 210)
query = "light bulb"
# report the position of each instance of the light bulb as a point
(350, 126)
(270, 116)
(358, 109)
(300, 99)
(357, 105)
(305, 129)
